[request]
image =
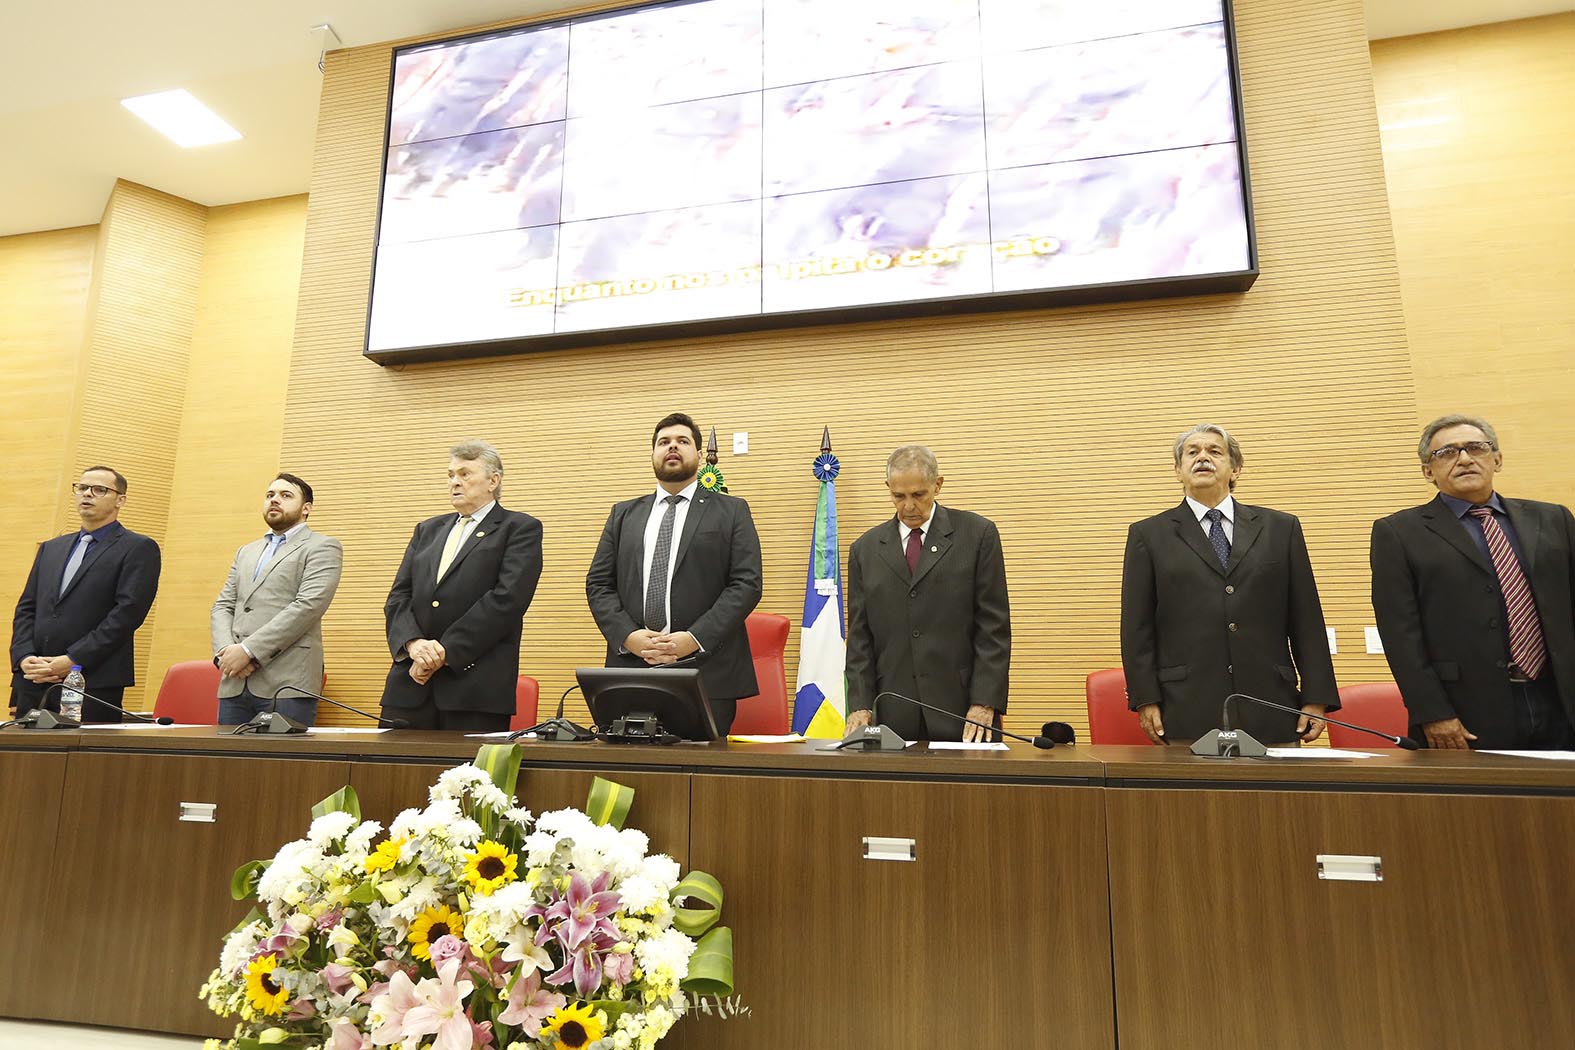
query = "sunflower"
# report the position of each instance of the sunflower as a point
(576, 1026)
(265, 995)
(490, 867)
(432, 925)
(385, 856)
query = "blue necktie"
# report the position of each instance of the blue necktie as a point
(274, 541)
(1217, 538)
(75, 561)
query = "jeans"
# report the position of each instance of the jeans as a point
(238, 710)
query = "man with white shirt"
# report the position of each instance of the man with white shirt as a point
(928, 613)
(457, 608)
(676, 573)
(1217, 598)
(267, 621)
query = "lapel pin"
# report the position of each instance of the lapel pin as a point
(934, 550)
(480, 532)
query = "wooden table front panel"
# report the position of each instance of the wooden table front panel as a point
(30, 785)
(140, 900)
(661, 800)
(997, 935)
(1225, 937)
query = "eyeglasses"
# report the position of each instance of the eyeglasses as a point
(98, 491)
(1472, 448)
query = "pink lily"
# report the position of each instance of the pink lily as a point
(530, 1004)
(346, 1036)
(390, 1008)
(442, 1010)
(337, 978)
(584, 909)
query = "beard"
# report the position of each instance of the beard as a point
(284, 523)
(680, 471)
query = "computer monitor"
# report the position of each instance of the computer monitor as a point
(627, 700)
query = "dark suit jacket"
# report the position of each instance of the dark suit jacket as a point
(1192, 632)
(942, 634)
(1441, 615)
(476, 612)
(715, 585)
(96, 618)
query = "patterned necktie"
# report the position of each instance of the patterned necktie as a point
(656, 586)
(274, 542)
(75, 561)
(915, 545)
(451, 548)
(1217, 538)
(1527, 650)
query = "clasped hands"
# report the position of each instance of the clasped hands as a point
(661, 647)
(236, 662)
(427, 657)
(45, 670)
(970, 733)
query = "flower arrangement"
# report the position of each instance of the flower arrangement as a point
(470, 925)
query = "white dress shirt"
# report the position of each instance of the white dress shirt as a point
(653, 525)
(1227, 507)
(924, 530)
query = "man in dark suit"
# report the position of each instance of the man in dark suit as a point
(86, 595)
(457, 607)
(676, 573)
(1217, 598)
(1473, 596)
(928, 614)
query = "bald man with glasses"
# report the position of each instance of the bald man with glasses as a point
(1473, 595)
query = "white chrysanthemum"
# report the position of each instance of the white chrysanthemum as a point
(519, 815)
(330, 828)
(359, 841)
(538, 848)
(637, 893)
(667, 952)
(504, 907)
(289, 876)
(239, 948)
(564, 822)
(421, 896)
(662, 871)
(465, 832)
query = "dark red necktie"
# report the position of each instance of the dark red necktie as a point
(915, 544)
(1526, 648)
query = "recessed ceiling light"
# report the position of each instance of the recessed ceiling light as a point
(180, 117)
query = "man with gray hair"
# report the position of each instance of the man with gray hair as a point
(1218, 598)
(1472, 592)
(456, 611)
(928, 615)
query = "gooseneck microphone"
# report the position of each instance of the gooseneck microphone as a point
(879, 737)
(1042, 741)
(1235, 743)
(1403, 742)
(557, 727)
(41, 717)
(272, 723)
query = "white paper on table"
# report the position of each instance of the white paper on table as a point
(767, 738)
(343, 730)
(964, 745)
(497, 736)
(143, 725)
(1317, 752)
(1557, 756)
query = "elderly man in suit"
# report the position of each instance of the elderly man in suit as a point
(676, 573)
(85, 597)
(267, 621)
(1218, 598)
(457, 607)
(928, 614)
(1473, 596)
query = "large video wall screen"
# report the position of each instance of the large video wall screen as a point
(676, 163)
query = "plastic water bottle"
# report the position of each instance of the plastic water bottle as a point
(71, 695)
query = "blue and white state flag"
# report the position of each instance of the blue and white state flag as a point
(820, 704)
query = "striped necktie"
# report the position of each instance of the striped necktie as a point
(1527, 650)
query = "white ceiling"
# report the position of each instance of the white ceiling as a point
(67, 65)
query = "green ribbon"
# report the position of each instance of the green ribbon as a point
(501, 762)
(608, 803)
(344, 800)
(711, 966)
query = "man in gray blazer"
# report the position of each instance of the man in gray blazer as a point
(1218, 598)
(928, 614)
(267, 621)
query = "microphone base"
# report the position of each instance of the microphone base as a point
(43, 718)
(869, 738)
(1228, 743)
(271, 723)
(557, 730)
(638, 729)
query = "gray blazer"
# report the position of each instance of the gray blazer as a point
(279, 615)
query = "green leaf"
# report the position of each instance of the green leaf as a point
(608, 803)
(364, 893)
(501, 762)
(344, 800)
(699, 887)
(244, 882)
(711, 966)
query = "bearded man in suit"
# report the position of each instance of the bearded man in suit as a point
(928, 613)
(677, 572)
(1218, 597)
(85, 597)
(267, 621)
(457, 608)
(1473, 595)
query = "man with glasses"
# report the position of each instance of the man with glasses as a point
(267, 621)
(85, 597)
(1473, 597)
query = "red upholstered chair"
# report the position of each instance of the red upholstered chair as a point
(766, 712)
(1374, 704)
(1109, 720)
(526, 697)
(189, 694)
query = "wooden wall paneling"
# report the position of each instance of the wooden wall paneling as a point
(30, 783)
(890, 952)
(155, 958)
(1224, 936)
(1055, 423)
(1476, 126)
